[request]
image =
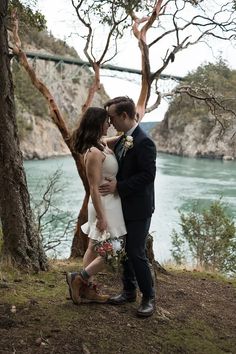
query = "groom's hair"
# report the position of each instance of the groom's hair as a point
(122, 104)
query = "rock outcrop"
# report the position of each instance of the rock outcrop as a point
(200, 136)
(39, 137)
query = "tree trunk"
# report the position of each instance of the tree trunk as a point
(22, 244)
(154, 265)
(80, 240)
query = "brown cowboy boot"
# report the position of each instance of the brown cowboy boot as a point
(76, 283)
(90, 293)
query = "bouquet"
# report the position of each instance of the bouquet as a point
(112, 250)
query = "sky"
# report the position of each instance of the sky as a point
(63, 23)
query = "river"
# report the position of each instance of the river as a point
(180, 182)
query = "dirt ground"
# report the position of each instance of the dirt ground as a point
(195, 314)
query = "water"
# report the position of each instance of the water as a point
(180, 181)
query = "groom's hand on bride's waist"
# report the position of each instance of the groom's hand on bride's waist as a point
(109, 187)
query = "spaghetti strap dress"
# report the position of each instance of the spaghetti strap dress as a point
(111, 204)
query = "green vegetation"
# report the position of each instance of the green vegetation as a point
(210, 236)
(219, 81)
(46, 41)
(28, 16)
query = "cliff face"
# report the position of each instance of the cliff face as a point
(39, 137)
(189, 127)
(200, 137)
(43, 140)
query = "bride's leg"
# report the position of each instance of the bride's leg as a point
(81, 287)
(89, 255)
(91, 293)
(95, 266)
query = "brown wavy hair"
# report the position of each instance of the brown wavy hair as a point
(122, 104)
(90, 130)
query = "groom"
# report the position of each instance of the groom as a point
(136, 155)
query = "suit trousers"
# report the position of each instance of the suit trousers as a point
(136, 270)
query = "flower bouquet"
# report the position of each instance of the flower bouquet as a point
(112, 250)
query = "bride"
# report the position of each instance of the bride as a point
(105, 217)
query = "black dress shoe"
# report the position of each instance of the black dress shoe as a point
(122, 298)
(147, 307)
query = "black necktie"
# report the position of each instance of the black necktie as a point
(120, 149)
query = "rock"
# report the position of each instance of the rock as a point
(13, 309)
(228, 158)
(38, 341)
(195, 137)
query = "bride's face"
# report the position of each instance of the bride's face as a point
(106, 125)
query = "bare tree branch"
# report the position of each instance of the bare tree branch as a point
(55, 113)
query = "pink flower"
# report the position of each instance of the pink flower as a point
(107, 246)
(101, 251)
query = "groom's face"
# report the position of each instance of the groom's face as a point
(117, 120)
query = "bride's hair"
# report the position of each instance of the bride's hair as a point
(90, 130)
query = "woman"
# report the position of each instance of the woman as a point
(105, 218)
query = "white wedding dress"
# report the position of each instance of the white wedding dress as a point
(111, 204)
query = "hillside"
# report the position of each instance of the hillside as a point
(190, 129)
(39, 138)
(195, 315)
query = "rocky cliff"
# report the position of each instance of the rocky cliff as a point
(190, 129)
(202, 137)
(39, 137)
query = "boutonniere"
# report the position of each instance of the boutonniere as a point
(128, 142)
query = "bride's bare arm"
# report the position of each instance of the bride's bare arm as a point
(111, 141)
(94, 160)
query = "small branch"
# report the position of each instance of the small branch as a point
(155, 105)
(212, 102)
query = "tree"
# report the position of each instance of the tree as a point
(170, 25)
(21, 242)
(165, 24)
(210, 235)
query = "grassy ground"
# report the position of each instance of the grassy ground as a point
(195, 314)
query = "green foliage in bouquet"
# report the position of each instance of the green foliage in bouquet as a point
(113, 252)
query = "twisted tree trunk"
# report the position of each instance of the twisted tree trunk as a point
(22, 244)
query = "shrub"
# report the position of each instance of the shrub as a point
(210, 236)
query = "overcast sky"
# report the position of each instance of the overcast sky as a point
(62, 21)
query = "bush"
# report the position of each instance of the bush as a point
(210, 236)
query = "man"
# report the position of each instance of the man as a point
(136, 155)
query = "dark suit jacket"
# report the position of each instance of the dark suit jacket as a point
(135, 178)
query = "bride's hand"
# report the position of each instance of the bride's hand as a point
(101, 224)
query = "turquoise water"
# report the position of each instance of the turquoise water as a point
(180, 182)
